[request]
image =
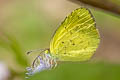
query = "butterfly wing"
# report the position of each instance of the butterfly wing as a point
(77, 38)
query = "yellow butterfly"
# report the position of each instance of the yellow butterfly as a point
(76, 39)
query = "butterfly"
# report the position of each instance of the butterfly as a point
(76, 39)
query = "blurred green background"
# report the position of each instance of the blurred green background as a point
(29, 24)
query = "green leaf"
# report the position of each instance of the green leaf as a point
(80, 71)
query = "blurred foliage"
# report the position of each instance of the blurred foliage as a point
(81, 71)
(10, 43)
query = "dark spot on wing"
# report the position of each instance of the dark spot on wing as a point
(73, 44)
(64, 53)
(62, 42)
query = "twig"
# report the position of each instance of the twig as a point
(107, 5)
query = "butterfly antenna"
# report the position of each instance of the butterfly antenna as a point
(37, 50)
